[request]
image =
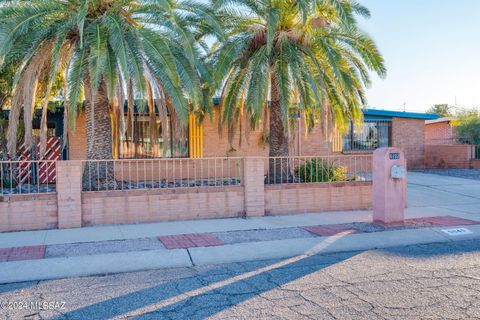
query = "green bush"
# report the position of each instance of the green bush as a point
(320, 170)
(468, 130)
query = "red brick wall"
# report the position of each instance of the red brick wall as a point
(475, 164)
(216, 145)
(448, 156)
(303, 198)
(28, 212)
(409, 135)
(438, 133)
(77, 144)
(311, 143)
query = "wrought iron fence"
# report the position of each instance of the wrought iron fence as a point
(373, 134)
(323, 169)
(27, 176)
(105, 175)
(476, 152)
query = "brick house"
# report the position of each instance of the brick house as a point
(381, 128)
(439, 131)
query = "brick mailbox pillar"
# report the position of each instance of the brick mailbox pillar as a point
(389, 185)
(69, 194)
(254, 183)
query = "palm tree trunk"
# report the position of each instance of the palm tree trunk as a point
(279, 165)
(98, 175)
(99, 128)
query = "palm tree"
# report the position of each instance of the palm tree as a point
(108, 51)
(305, 56)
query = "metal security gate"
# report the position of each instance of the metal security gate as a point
(46, 171)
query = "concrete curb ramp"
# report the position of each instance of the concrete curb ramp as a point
(56, 268)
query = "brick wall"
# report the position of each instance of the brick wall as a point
(28, 212)
(475, 164)
(409, 135)
(69, 194)
(438, 133)
(303, 198)
(77, 144)
(215, 145)
(72, 208)
(119, 207)
(448, 156)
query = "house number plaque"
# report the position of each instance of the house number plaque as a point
(394, 156)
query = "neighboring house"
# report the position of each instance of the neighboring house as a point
(381, 128)
(439, 131)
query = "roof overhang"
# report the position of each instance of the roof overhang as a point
(389, 114)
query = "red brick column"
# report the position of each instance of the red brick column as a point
(69, 194)
(254, 183)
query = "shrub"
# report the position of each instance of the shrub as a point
(468, 131)
(320, 170)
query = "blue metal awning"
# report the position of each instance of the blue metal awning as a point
(375, 114)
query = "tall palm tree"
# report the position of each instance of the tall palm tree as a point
(109, 51)
(305, 56)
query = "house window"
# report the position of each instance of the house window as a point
(372, 135)
(137, 143)
(51, 130)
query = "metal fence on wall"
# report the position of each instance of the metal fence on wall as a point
(369, 137)
(27, 176)
(105, 175)
(323, 169)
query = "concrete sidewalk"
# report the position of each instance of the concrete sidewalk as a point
(126, 248)
(97, 264)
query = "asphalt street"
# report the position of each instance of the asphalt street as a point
(437, 281)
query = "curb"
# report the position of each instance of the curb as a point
(57, 268)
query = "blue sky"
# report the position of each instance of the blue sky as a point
(432, 52)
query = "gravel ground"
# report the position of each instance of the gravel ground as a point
(90, 248)
(230, 237)
(438, 281)
(473, 174)
(262, 235)
(373, 227)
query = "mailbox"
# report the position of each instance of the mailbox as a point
(398, 172)
(389, 185)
